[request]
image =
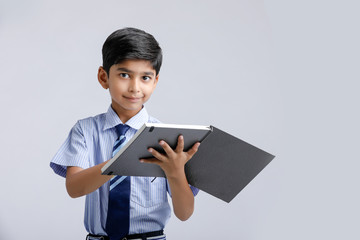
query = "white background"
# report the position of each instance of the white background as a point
(282, 75)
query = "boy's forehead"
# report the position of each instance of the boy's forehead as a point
(134, 65)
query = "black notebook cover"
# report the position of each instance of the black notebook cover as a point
(222, 167)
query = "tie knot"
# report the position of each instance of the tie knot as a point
(121, 129)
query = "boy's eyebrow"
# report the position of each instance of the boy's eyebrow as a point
(129, 71)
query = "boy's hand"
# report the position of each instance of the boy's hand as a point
(173, 162)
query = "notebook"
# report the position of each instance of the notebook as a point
(222, 167)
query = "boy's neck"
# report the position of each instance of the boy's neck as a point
(126, 115)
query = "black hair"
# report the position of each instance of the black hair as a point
(131, 43)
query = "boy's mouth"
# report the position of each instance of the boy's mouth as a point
(133, 99)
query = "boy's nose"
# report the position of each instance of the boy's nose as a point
(134, 86)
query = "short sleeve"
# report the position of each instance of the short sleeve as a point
(73, 152)
(194, 190)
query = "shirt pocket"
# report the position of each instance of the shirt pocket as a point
(146, 193)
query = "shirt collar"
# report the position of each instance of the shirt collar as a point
(136, 122)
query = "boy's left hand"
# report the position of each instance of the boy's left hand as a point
(174, 160)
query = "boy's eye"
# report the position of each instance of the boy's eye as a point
(124, 75)
(146, 78)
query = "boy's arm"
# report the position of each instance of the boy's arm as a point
(80, 182)
(173, 164)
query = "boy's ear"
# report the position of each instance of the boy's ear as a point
(103, 78)
(156, 79)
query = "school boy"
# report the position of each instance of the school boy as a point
(125, 207)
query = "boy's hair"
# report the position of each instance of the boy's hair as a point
(131, 43)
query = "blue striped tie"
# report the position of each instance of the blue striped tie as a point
(117, 223)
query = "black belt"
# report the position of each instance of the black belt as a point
(143, 236)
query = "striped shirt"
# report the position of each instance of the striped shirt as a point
(90, 142)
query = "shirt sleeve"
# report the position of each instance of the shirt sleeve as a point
(194, 190)
(73, 152)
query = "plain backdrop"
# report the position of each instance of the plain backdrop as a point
(281, 75)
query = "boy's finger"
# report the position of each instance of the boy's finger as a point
(168, 150)
(150, 160)
(156, 154)
(194, 149)
(180, 144)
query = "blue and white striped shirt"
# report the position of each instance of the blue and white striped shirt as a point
(90, 142)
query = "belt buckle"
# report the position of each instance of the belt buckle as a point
(100, 238)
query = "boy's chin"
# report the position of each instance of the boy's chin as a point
(130, 108)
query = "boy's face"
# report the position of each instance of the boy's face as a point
(130, 84)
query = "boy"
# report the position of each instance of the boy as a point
(130, 207)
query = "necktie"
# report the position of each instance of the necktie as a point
(117, 222)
